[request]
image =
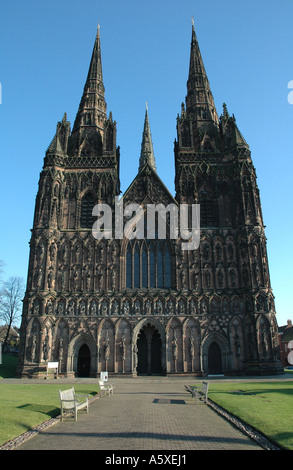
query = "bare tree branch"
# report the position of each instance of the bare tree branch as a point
(10, 302)
(2, 264)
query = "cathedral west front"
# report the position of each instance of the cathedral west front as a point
(143, 305)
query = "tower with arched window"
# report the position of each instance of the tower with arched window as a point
(135, 303)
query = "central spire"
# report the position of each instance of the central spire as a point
(147, 151)
(92, 112)
(199, 101)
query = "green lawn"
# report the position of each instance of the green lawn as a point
(266, 406)
(23, 407)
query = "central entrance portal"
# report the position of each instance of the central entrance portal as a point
(149, 351)
(84, 361)
(215, 359)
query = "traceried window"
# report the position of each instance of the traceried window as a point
(86, 218)
(207, 212)
(129, 266)
(148, 264)
(144, 262)
(160, 268)
(152, 266)
(137, 266)
(167, 266)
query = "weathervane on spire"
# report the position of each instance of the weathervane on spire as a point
(192, 21)
(146, 106)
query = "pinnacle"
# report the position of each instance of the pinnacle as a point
(147, 151)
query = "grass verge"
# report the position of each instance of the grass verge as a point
(266, 406)
(23, 407)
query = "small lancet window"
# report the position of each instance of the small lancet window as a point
(86, 218)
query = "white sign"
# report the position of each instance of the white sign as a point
(104, 376)
(52, 365)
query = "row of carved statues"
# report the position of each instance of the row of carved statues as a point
(152, 306)
(85, 266)
(247, 340)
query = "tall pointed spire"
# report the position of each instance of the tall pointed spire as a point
(199, 100)
(92, 112)
(147, 151)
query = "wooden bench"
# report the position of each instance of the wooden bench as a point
(199, 393)
(106, 388)
(70, 402)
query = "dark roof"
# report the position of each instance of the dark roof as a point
(286, 332)
(3, 331)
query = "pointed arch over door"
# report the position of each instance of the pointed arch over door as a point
(216, 354)
(149, 351)
(82, 356)
(149, 348)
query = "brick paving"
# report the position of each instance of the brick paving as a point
(144, 414)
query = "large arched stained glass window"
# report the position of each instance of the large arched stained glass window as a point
(148, 266)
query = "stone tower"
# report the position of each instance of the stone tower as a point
(137, 304)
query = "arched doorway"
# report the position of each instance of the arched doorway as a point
(149, 351)
(83, 361)
(142, 353)
(214, 359)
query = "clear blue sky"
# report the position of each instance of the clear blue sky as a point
(45, 49)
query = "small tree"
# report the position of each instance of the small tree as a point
(10, 302)
(1, 267)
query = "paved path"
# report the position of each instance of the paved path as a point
(144, 414)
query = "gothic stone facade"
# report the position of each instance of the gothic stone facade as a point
(146, 306)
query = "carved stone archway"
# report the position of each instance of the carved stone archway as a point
(215, 341)
(73, 360)
(149, 348)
